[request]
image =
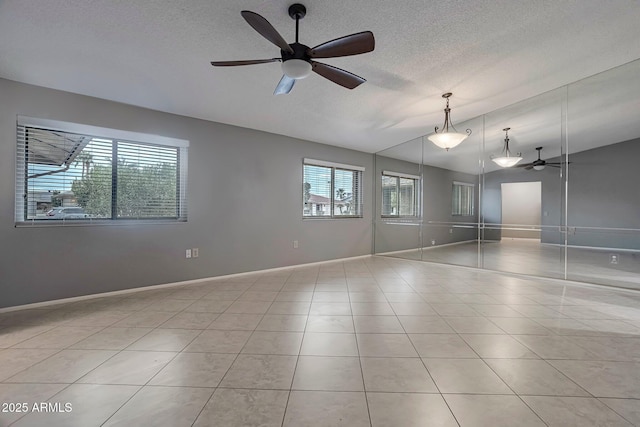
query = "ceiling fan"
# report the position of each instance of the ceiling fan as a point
(539, 164)
(298, 59)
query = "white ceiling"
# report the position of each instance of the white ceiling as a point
(155, 54)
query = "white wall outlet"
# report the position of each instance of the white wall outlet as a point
(433, 243)
(295, 244)
(451, 231)
(187, 253)
(195, 252)
(614, 259)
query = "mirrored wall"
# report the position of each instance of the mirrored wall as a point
(570, 209)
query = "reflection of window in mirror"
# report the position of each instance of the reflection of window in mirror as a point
(462, 199)
(399, 194)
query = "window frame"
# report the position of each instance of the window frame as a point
(416, 194)
(471, 203)
(116, 137)
(358, 185)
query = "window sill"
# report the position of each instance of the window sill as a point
(94, 222)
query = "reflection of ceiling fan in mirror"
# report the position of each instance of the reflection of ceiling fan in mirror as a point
(539, 164)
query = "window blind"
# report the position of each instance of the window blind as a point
(331, 190)
(62, 175)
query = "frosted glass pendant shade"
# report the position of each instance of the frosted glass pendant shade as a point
(447, 140)
(506, 162)
(296, 68)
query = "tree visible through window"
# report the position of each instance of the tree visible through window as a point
(331, 190)
(100, 177)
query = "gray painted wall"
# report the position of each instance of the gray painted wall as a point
(603, 193)
(436, 202)
(245, 207)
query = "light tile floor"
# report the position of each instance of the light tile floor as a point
(371, 342)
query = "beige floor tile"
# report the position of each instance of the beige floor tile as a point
(14, 360)
(129, 367)
(329, 344)
(412, 309)
(534, 377)
(236, 322)
(385, 345)
(190, 320)
(209, 306)
(264, 342)
(465, 376)
(491, 411)
(574, 412)
(330, 324)
(396, 375)
(330, 309)
(498, 347)
(294, 296)
(214, 341)
(260, 372)
(327, 296)
(25, 396)
(371, 309)
(413, 297)
(409, 410)
(289, 307)
(520, 326)
(425, 325)
(603, 379)
(162, 406)
(377, 324)
(328, 373)
(194, 370)
(454, 310)
(364, 296)
(473, 325)
(627, 408)
(249, 307)
(144, 319)
(282, 323)
(241, 408)
(442, 345)
(59, 337)
(67, 366)
(111, 339)
(554, 347)
(165, 340)
(91, 405)
(12, 335)
(320, 408)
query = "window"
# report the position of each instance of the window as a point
(399, 194)
(462, 199)
(331, 190)
(66, 171)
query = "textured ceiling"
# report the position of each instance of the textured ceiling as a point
(155, 54)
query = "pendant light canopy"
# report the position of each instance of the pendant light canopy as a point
(447, 139)
(506, 160)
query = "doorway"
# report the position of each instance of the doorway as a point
(521, 210)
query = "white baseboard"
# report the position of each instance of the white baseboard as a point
(172, 285)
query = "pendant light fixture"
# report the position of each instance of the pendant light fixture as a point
(447, 139)
(507, 160)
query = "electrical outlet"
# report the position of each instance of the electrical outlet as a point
(295, 244)
(187, 253)
(195, 252)
(451, 231)
(614, 259)
(433, 243)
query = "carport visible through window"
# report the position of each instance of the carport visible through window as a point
(66, 171)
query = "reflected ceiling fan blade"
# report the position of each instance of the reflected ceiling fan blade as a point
(337, 75)
(524, 165)
(284, 85)
(265, 29)
(353, 44)
(528, 167)
(247, 62)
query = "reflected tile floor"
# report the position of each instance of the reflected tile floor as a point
(376, 341)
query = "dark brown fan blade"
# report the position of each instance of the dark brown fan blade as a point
(524, 165)
(353, 44)
(337, 75)
(248, 62)
(265, 29)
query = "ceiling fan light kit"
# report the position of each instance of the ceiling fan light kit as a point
(446, 138)
(540, 164)
(298, 59)
(507, 160)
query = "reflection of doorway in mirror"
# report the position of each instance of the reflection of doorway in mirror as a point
(521, 207)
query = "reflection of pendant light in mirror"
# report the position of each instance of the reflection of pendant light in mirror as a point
(447, 139)
(507, 160)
